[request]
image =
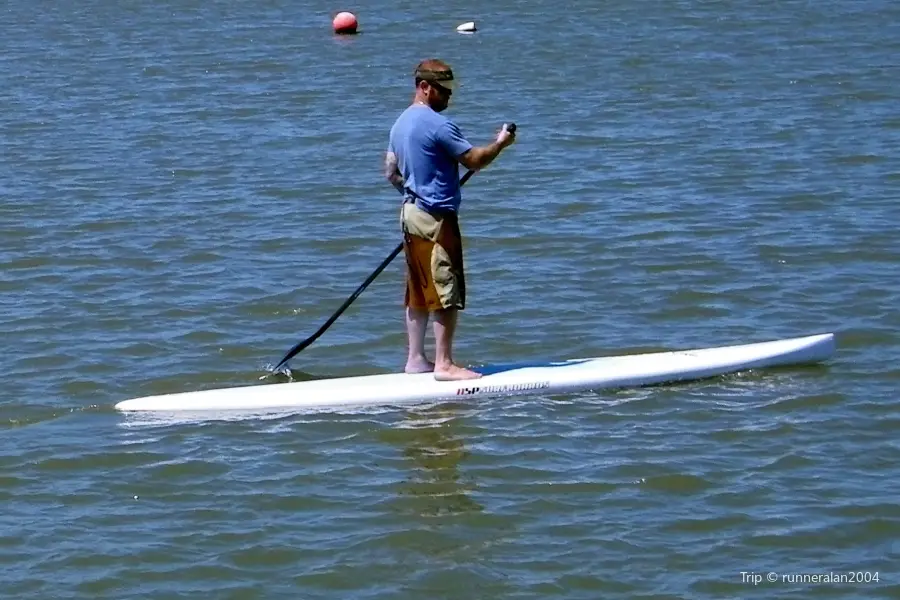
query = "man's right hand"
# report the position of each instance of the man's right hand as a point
(506, 137)
(478, 157)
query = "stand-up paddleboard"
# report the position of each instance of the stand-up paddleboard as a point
(499, 380)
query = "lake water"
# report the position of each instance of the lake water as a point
(190, 188)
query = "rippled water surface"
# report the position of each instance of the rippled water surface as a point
(188, 189)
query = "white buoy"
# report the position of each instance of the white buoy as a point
(467, 27)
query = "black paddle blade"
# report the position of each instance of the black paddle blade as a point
(299, 347)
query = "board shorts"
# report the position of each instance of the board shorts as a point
(432, 242)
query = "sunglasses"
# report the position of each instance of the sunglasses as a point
(441, 89)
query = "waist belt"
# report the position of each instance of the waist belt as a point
(410, 197)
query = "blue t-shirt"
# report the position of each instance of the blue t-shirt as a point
(427, 146)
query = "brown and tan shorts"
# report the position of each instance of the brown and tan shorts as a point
(435, 277)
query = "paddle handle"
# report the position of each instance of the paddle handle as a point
(511, 127)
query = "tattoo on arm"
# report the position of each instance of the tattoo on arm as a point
(392, 171)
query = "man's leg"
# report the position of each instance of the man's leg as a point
(416, 325)
(444, 328)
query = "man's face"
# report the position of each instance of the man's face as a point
(438, 97)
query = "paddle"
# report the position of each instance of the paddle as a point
(299, 347)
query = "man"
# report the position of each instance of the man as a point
(422, 162)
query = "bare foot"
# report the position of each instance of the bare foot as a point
(419, 366)
(455, 373)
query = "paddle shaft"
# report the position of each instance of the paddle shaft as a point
(302, 345)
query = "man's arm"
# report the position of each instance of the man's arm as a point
(479, 157)
(392, 171)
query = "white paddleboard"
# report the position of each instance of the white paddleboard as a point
(499, 380)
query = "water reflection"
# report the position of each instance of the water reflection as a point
(432, 441)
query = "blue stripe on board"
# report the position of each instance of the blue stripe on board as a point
(494, 369)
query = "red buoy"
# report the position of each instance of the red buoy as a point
(344, 23)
